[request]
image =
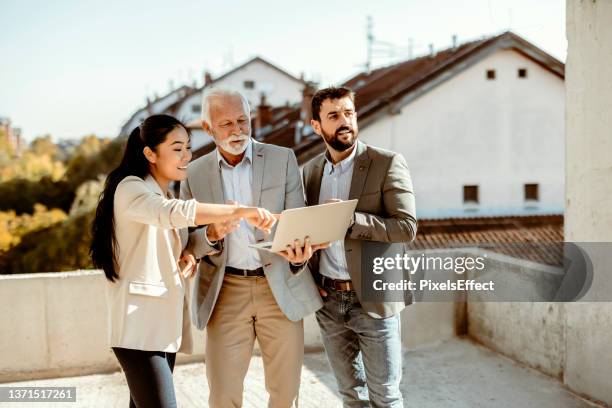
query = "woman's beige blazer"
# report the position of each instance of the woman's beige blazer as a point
(148, 309)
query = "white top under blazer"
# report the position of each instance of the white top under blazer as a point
(148, 307)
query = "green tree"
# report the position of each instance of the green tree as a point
(84, 167)
(13, 226)
(41, 159)
(87, 196)
(61, 247)
(44, 146)
(90, 145)
(21, 195)
(64, 245)
(6, 149)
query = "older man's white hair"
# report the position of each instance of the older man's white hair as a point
(212, 93)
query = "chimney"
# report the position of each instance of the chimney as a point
(454, 41)
(305, 111)
(207, 78)
(264, 116)
(307, 94)
(431, 50)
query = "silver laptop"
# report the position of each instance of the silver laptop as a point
(322, 223)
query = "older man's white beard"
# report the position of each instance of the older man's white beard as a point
(226, 144)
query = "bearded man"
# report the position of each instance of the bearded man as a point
(361, 338)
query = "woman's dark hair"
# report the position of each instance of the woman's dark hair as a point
(151, 133)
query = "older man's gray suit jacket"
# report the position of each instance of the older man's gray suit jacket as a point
(276, 186)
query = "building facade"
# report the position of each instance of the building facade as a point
(481, 126)
(486, 141)
(255, 78)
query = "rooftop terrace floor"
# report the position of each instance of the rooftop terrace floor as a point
(457, 374)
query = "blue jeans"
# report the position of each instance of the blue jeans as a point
(365, 353)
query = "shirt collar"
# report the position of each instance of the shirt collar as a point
(344, 164)
(247, 158)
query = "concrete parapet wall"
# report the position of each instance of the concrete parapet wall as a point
(55, 324)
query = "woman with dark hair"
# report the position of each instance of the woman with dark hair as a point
(137, 242)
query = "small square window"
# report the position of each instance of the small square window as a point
(249, 84)
(470, 194)
(522, 72)
(195, 108)
(490, 74)
(532, 192)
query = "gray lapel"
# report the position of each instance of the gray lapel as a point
(360, 171)
(213, 173)
(313, 185)
(258, 171)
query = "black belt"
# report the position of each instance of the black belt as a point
(336, 284)
(245, 272)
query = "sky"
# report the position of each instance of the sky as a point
(72, 68)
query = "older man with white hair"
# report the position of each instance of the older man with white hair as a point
(242, 294)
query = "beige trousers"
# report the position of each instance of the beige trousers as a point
(246, 310)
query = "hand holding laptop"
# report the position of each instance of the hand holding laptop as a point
(298, 254)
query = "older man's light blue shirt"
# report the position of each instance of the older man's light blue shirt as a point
(336, 183)
(238, 186)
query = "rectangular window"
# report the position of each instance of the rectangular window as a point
(249, 84)
(522, 72)
(470, 194)
(195, 108)
(490, 74)
(532, 192)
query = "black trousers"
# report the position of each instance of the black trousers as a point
(149, 376)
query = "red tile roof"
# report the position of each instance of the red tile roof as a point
(263, 61)
(536, 238)
(386, 86)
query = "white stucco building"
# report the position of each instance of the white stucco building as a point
(485, 139)
(254, 78)
(158, 105)
(480, 124)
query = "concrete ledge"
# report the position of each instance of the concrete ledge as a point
(57, 323)
(57, 326)
(532, 333)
